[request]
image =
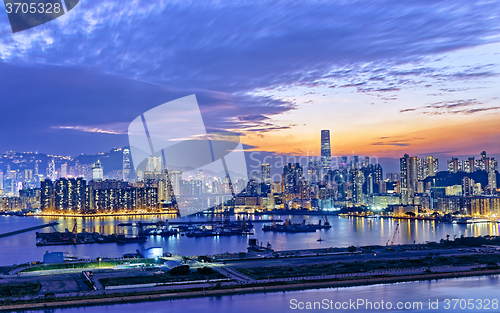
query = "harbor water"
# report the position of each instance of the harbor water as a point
(345, 231)
(416, 295)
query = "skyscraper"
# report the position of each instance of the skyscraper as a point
(51, 170)
(470, 165)
(154, 164)
(467, 186)
(379, 173)
(64, 170)
(266, 173)
(97, 171)
(126, 164)
(46, 190)
(409, 178)
(357, 194)
(313, 169)
(175, 180)
(369, 184)
(492, 181)
(429, 167)
(326, 153)
(455, 165)
(292, 173)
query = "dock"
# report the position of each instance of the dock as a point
(28, 229)
(188, 223)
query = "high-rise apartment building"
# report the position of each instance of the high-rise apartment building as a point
(430, 166)
(409, 178)
(455, 165)
(154, 164)
(357, 194)
(46, 191)
(69, 195)
(64, 170)
(175, 180)
(467, 186)
(492, 181)
(313, 171)
(266, 173)
(378, 173)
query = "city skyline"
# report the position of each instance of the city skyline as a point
(468, 186)
(176, 155)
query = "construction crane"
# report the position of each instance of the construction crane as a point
(325, 220)
(392, 238)
(53, 225)
(275, 226)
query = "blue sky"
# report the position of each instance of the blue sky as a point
(384, 76)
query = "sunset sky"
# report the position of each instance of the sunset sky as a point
(385, 77)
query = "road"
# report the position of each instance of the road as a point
(376, 255)
(72, 282)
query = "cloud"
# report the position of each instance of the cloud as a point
(453, 104)
(399, 144)
(95, 129)
(471, 111)
(237, 46)
(226, 52)
(451, 107)
(406, 110)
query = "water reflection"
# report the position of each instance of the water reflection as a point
(347, 231)
(485, 287)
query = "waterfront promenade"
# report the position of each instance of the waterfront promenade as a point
(69, 287)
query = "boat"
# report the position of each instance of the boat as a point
(164, 232)
(289, 227)
(124, 240)
(217, 231)
(469, 221)
(320, 240)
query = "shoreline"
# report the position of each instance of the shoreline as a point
(258, 288)
(98, 216)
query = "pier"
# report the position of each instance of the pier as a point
(28, 229)
(188, 223)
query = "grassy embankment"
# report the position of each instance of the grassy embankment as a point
(19, 289)
(86, 265)
(204, 273)
(365, 266)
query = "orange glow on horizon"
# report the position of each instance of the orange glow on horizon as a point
(467, 136)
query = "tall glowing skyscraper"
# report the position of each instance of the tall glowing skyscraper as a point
(357, 181)
(492, 181)
(51, 171)
(326, 152)
(409, 178)
(266, 173)
(64, 170)
(154, 164)
(97, 171)
(126, 164)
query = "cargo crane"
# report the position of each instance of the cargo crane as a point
(54, 228)
(326, 223)
(275, 226)
(393, 238)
